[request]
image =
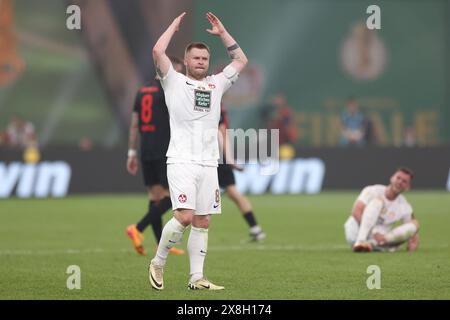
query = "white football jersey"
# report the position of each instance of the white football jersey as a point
(194, 110)
(393, 211)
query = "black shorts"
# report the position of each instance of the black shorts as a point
(226, 175)
(155, 172)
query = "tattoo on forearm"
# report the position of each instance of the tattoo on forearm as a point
(234, 56)
(233, 47)
(158, 70)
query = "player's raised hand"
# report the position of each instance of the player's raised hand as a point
(177, 21)
(217, 27)
(132, 165)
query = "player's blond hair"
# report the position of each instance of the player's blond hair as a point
(197, 45)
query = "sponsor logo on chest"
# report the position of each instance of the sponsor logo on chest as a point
(202, 99)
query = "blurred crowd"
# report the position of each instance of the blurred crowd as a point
(277, 114)
(356, 128)
(19, 134)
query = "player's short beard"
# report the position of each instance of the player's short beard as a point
(396, 190)
(197, 74)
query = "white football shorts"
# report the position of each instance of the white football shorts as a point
(194, 186)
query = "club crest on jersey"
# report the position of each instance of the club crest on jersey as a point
(211, 86)
(182, 198)
(202, 101)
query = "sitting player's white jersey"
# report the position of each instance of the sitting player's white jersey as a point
(194, 110)
(392, 211)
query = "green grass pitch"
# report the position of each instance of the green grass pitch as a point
(304, 257)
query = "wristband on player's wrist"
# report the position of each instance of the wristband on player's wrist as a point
(132, 153)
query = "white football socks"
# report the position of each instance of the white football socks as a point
(255, 230)
(369, 219)
(400, 234)
(197, 247)
(171, 234)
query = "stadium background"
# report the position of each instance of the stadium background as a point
(77, 88)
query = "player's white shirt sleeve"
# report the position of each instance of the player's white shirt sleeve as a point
(170, 79)
(227, 77)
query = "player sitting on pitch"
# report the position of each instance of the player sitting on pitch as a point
(382, 219)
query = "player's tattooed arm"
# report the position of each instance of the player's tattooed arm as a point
(231, 52)
(160, 58)
(133, 133)
(158, 70)
(238, 57)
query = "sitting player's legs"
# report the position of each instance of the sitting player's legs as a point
(351, 228)
(368, 220)
(397, 236)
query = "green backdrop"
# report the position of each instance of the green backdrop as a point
(296, 48)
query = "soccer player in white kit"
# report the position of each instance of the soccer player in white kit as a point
(382, 219)
(193, 101)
